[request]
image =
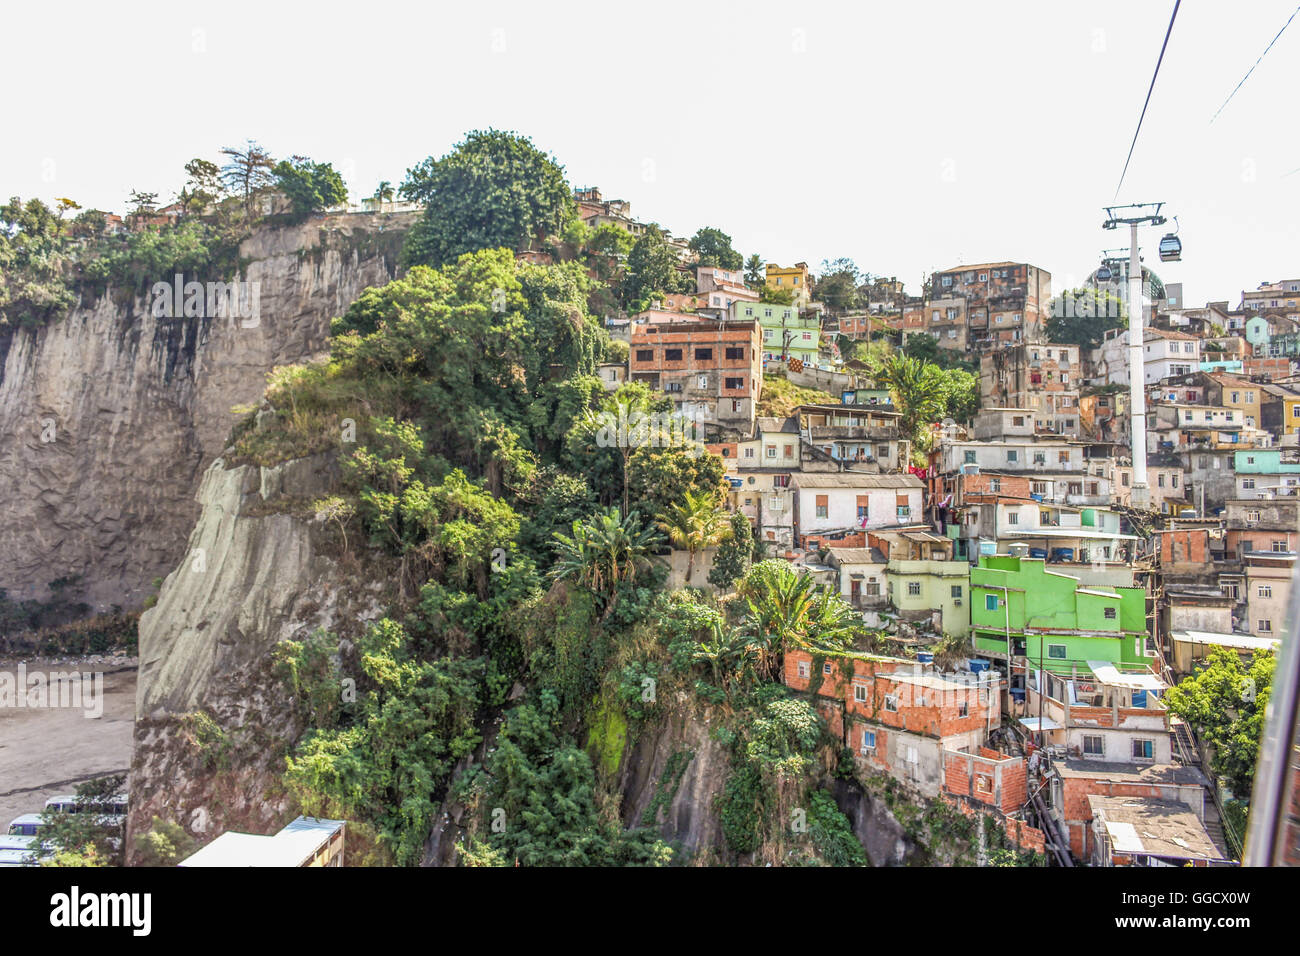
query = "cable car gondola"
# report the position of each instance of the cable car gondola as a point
(1171, 248)
(1103, 272)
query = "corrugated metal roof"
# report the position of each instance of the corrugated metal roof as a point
(855, 480)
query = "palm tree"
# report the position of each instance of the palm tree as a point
(787, 608)
(730, 655)
(604, 552)
(384, 193)
(755, 277)
(695, 524)
(917, 387)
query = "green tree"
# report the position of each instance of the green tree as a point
(1225, 702)
(694, 524)
(309, 187)
(653, 269)
(918, 390)
(837, 284)
(774, 296)
(732, 561)
(755, 274)
(95, 829)
(247, 170)
(495, 189)
(541, 789)
(713, 248)
(786, 608)
(1083, 316)
(605, 552)
(165, 843)
(384, 193)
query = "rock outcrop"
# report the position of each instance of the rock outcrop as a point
(213, 719)
(109, 416)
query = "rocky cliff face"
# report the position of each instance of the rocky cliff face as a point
(109, 416)
(213, 719)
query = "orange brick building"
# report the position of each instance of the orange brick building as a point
(712, 371)
(897, 716)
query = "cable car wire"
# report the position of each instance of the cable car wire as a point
(1257, 62)
(1127, 159)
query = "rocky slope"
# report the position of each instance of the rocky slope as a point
(109, 416)
(213, 719)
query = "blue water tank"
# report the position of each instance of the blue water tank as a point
(925, 657)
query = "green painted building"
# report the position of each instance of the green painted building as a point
(786, 333)
(1018, 608)
(918, 588)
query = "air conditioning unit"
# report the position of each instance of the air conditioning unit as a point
(956, 602)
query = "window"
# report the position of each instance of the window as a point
(995, 485)
(1012, 456)
(770, 451)
(864, 506)
(826, 667)
(914, 588)
(1013, 517)
(1056, 651)
(645, 355)
(891, 703)
(860, 693)
(734, 383)
(1093, 746)
(823, 506)
(789, 451)
(704, 353)
(969, 457)
(1249, 483)
(963, 709)
(1063, 457)
(956, 591)
(1017, 420)
(1280, 547)
(1173, 480)
(1040, 458)
(735, 352)
(868, 741)
(702, 381)
(804, 670)
(1160, 480)
(673, 355)
(1265, 590)
(1109, 614)
(990, 602)
(1143, 749)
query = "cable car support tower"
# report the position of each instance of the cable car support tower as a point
(1134, 215)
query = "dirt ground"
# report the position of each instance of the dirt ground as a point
(45, 752)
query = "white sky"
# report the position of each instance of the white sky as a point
(908, 136)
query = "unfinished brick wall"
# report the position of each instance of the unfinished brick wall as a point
(990, 777)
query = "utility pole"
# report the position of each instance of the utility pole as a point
(1133, 216)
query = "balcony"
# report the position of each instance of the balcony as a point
(853, 432)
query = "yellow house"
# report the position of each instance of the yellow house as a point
(1281, 408)
(793, 278)
(1243, 396)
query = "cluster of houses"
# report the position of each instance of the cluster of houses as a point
(1076, 607)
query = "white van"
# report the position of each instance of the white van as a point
(16, 858)
(29, 824)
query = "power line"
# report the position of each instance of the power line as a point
(1148, 99)
(1252, 69)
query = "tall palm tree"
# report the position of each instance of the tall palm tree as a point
(917, 388)
(384, 194)
(604, 552)
(695, 524)
(788, 608)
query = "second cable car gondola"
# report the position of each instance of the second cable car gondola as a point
(1171, 248)
(1103, 272)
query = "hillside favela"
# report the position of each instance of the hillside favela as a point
(488, 516)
